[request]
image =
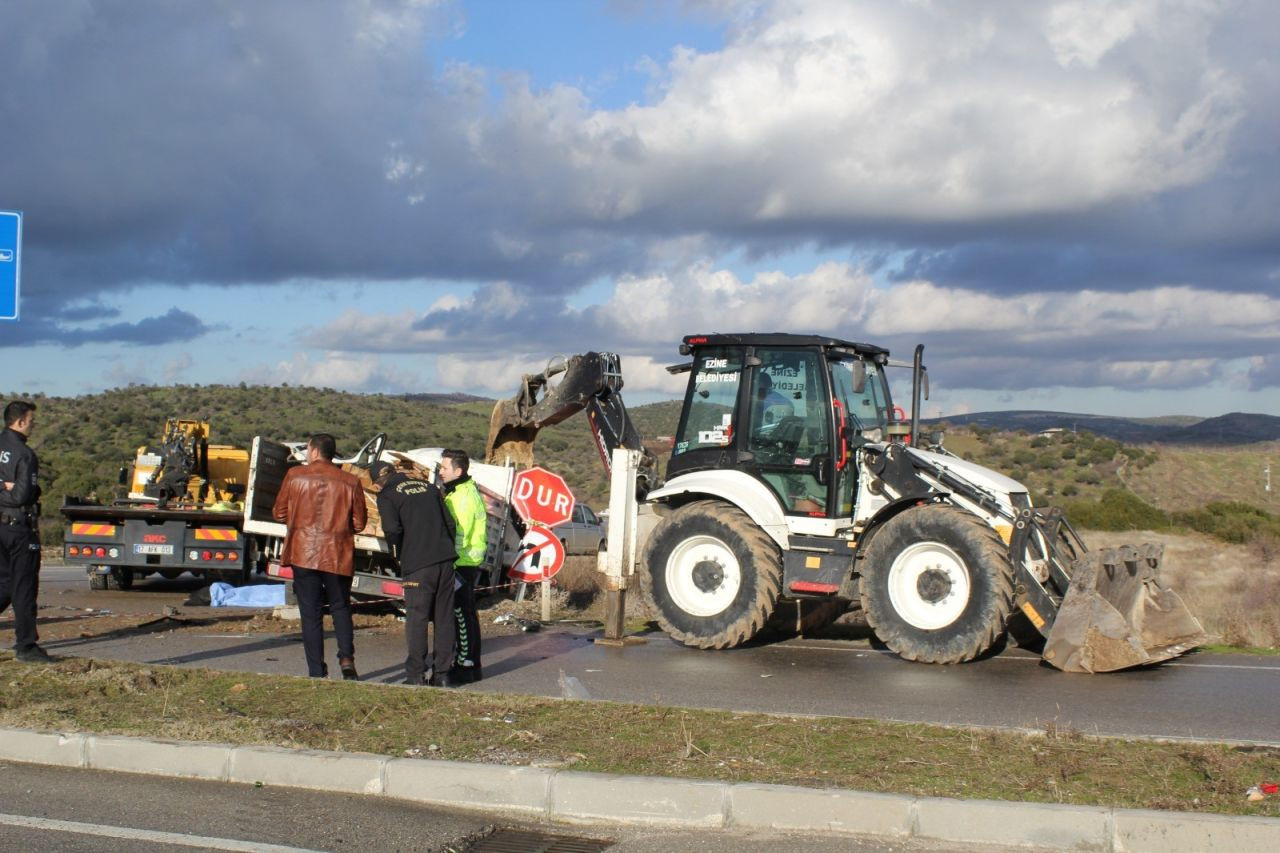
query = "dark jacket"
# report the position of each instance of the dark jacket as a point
(416, 523)
(323, 507)
(18, 465)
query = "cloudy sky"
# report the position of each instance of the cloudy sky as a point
(1073, 205)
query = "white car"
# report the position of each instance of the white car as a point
(583, 533)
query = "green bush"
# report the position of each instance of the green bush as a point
(1117, 509)
(1231, 521)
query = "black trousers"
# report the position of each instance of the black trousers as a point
(464, 611)
(428, 597)
(314, 589)
(20, 580)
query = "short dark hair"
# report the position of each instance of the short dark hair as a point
(459, 458)
(325, 444)
(16, 411)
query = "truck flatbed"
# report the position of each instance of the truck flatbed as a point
(148, 512)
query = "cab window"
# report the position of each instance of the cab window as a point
(713, 397)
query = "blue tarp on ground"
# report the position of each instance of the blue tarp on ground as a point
(261, 595)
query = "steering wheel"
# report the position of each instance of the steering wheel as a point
(786, 435)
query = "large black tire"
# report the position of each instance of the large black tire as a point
(937, 585)
(121, 579)
(710, 575)
(97, 581)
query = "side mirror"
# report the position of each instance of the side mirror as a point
(935, 438)
(859, 377)
(124, 475)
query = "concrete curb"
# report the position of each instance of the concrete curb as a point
(568, 796)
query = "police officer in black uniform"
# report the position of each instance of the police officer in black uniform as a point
(19, 536)
(417, 525)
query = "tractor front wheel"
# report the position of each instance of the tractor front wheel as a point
(711, 575)
(937, 585)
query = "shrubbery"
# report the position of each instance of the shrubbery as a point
(1117, 509)
(1229, 521)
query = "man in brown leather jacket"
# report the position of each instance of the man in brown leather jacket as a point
(323, 507)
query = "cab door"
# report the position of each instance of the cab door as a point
(788, 427)
(861, 413)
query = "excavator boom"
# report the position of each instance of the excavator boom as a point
(591, 381)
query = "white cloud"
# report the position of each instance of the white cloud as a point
(176, 367)
(343, 371)
(1264, 372)
(500, 376)
(927, 111)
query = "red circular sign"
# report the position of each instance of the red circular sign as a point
(541, 496)
(540, 556)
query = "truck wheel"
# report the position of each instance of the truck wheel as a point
(97, 581)
(711, 575)
(121, 579)
(937, 585)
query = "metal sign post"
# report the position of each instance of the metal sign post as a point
(10, 263)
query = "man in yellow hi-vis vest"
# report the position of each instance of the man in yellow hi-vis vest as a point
(465, 504)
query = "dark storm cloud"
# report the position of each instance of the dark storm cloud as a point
(174, 326)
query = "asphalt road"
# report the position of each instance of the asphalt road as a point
(1200, 696)
(60, 810)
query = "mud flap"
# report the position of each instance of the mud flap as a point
(1117, 614)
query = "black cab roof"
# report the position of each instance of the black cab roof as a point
(778, 339)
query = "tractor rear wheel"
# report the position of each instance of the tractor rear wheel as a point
(711, 575)
(937, 585)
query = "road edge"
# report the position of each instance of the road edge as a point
(566, 796)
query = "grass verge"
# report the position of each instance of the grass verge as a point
(1051, 766)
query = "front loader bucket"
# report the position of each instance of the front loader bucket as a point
(1117, 614)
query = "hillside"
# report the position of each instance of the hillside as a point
(84, 441)
(1234, 429)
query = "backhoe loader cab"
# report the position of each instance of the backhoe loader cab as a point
(791, 479)
(787, 411)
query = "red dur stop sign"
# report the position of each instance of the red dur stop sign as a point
(542, 496)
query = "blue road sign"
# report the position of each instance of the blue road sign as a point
(10, 262)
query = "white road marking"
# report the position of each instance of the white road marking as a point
(131, 834)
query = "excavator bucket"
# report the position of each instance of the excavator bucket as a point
(1117, 614)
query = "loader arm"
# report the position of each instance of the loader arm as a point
(591, 381)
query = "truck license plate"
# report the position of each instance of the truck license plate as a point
(153, 549)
